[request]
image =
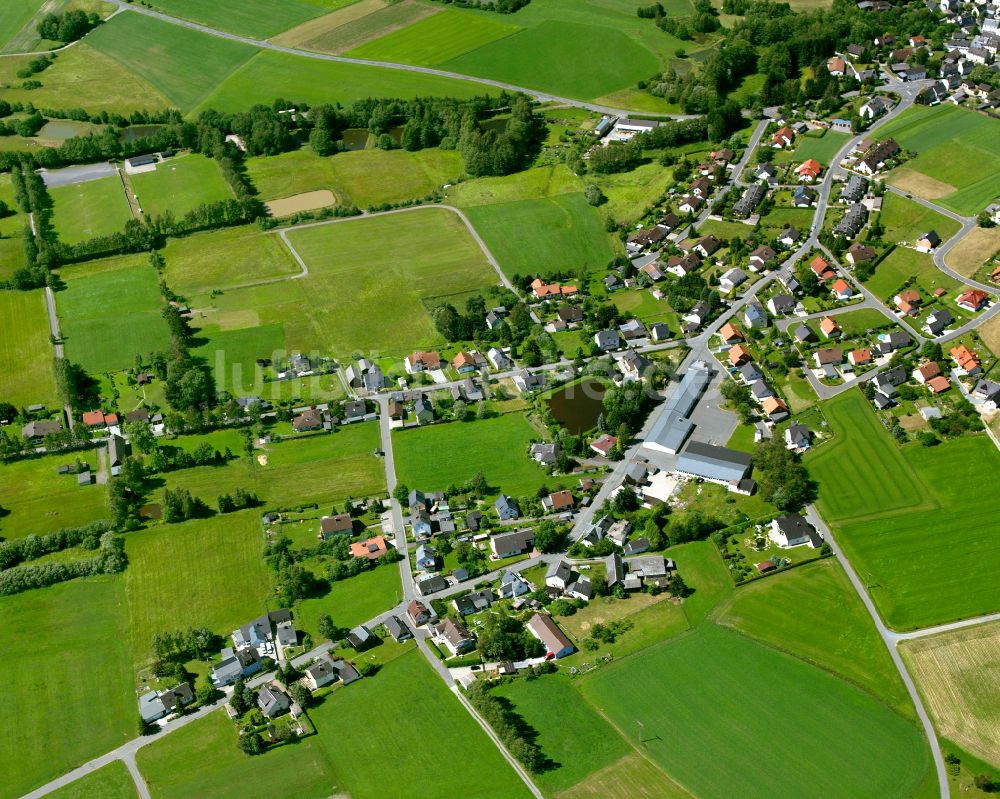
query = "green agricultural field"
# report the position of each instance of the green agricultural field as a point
(182, 63)
(353, 601)
(233, 356)
(433, 458)
(259, 20)
(435, 39)
(406, 701)
(361, 177)
(40, 501)
(846, 644)
(204, 573)
(716, 728)
(180, 184)
(957, 149)
(549, 57)
(14, 15)
(11, 232)
(531, 184)
(374, 300)
(270, 75)
(632, 777)
(872, 492)
(223, 259)
(822, 148)
(902, 264)
(906, 220)
(570, 732)
(83, 76)
(109, 782)
(86, 210)
(544, 235)
(26, 375)
(107, 318)
(58, 715)
(353, 27)
(316, 468)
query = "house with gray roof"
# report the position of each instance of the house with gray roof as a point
(507, 545)
(397, 629)
(714, 463)
(272, 701)
(607, 340)
(507, 508)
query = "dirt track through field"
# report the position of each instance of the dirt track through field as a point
(307, 201)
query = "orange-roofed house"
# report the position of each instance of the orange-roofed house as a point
(604, 444)
(821, 269)
(842, 289)
(809, 170)
(995, 275)
(829, 328)
(541, 289)
(783, 137)
(966, 360)
(739, 355)
(861, 357)
(938, 384)
(371, 549)
(730, 333)
(926, 372)
(836, 66)
(110, 419)
(908, 301)
(775, 408)
(419, 361)
(93, 418)
(463, 362)
(973, 300)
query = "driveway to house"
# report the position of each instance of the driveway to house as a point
(71, 175)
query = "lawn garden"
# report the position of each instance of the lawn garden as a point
(895, 511)
(906, 220)
(435, 457)
(68, 683)
(85, 210)
(180, 184)
(26, 354)
(352, 601)
(958, 155)
(109, 317)
(404, 701)
(901, 265)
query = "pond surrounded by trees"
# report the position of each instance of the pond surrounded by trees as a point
(577, 406)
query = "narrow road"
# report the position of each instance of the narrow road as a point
(140, 782)
(50, 306)
(541, 96)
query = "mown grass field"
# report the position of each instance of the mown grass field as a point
(956, 673)
(107, 318)
(361, 177)
(353, 601)
(433, 458)
(269, 75)
(734, 738)
(67, 680)
(109, 782)
(85, 210)
(544, 235)
(179, 185)
(435, 39)
(11, 232)
(14, 15)
(895, 512)
(203, 573)
(221, 259)
(318, 468)
(531, 184)
(357, 24)
(83, 76)
(405, 701)
(41, 501)
(259, 20)
(26, 356)
(955, 147)
(822, 148)
(902, 264)
(182, 63)
(359, 296)
(846, 643)
(906, 220)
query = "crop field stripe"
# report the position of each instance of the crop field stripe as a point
(26, 355)
(14, 15)
(260, 19)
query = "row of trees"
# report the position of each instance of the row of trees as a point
(515, 733)
(110, 559)
(31, 547)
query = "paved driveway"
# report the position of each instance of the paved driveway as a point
(76, 174)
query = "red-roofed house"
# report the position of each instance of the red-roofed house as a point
(372, 548)
(739, 355)
(463, 362)
(774, 407)
(828, 327)
(783, 137)
(93, 418)
(966, 359)
(842, 290)
(604, 444)
(836, 66)
(419, 361)
(938, 384)
(926, 372)
(730, 333)
(973, 299)
(861, 357)
(822, 269)
(809, 170)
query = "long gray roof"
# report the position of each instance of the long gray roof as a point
(717, 463)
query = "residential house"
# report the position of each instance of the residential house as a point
(876, 158)
(966, 360)
(659, 331)
(755, 316)
(683, 265)
(850, 224)
(793, 530)
(928, 241)
(987, 391)
(739, 355)
(926, 371)
(422, 361)
(699, 312)
(423, 410)
(570, 314)
(973, 300)
(749, 201)
(937, 321)
(361, 638)
(498, 359)
(341, 524)
(783, 137)
(633, 366)
(828, 356)
(580, 588)
(526, 382)
(730, 334)
(803, 334)
(473, 602)
(689, 204)
(859, 253)
(309, 419)
(788, 236)
(607, 340)
(854, 189)
(842, 290)
(803, 196)
(908, 301)
(320, 673)
(544, 628)
(809, 170)
(836, 66)
(702, 187)
(767, 172)
(463, 363)
(781, 304)
(420, 523)
(454, 635)
(761, 257)
(875, 107)
(272, 701)
(797, 437)
(732, 278)
(507, 545)
(235, 663)
(823, 271)
(155, 705)
(633, 330)
(418, 613)
(513, 585)
(431, 584)
(604, 444)
(938, 384)
(506, 507)
(707, 246)
(558, 575)
(860, 357)
(545, 454)
(372, 549)
(749, 373)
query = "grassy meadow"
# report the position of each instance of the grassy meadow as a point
(373, 300)
(733, 739)
(544, 235)
(201, 573)
(26, 355)
(107, 318)
(109, 782)
(405, 701)
(86, 210)
(900, 265)
(40, 501)
(353, 601)
(906, 220)
(68, 682)
(14, 15)
(180, 184)
(918, 520)
(259, 20)
(11, 232)
(361, 177)
(433, 458)
(225, 258)
(957, 149)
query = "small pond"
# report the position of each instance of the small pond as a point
(62, 129)
(577, 406)
(140, 131)
(355, 138)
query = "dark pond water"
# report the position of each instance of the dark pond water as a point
(355, 138)
(577, 406)
(139, 131)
